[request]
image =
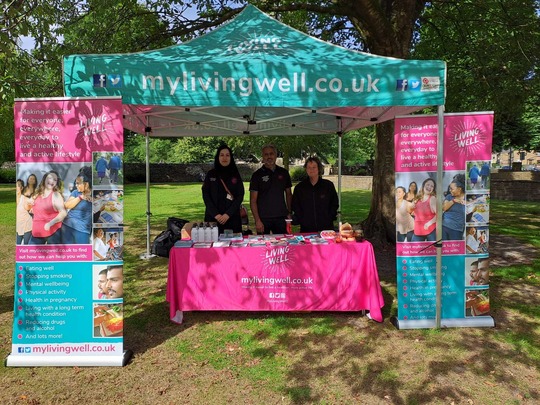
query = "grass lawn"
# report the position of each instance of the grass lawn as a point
(315, 358)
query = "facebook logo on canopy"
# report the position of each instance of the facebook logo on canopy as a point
(100, 80)
(402, 85)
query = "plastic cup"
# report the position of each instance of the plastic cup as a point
(288, 223)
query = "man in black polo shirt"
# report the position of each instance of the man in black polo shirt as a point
(270, 194)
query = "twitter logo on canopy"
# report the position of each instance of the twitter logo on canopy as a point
(414, 85)
(115, 80)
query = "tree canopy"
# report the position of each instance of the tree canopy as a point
(491, 47)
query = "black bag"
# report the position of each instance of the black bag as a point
(175, 225)
(163, 243)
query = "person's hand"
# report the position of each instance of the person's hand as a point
(224, 219)
(47, 226)
(259, 226)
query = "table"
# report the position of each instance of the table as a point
(323, 277)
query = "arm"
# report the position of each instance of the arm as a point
(58, 203)
(449, 203)
(288, 201)
(334, 202)
(74, 200)
(433, 204)
(410, 207)
(29, 204)
(211, 208)
(295, 202)
(253, 196)
(96, 253)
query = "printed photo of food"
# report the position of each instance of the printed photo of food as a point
(108, 320)
(477, 302)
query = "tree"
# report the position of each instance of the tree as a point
(382, 27)
(493, 74)
(492, 50)
(57, 28)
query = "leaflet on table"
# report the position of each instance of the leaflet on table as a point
(465, 264)
(69, 269)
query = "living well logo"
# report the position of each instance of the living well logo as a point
(468, 138)
(256, 43)
(278, 258)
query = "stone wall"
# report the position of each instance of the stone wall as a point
(508, 185)
(505, 185)
(176, 173)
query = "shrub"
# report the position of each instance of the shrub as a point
(298, 174)
(8, 176)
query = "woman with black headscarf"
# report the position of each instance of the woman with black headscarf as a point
(223, 192)
(77, 225)
(453, 218)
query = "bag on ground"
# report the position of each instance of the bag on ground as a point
(175, 225)
(163, 243)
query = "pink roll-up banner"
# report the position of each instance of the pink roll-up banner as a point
(68, 306)
(466, 165)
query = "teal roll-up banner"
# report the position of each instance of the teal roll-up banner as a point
(68, 307)
(465, 298)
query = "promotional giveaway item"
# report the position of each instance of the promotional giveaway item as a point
(68, 308)
(464, 219)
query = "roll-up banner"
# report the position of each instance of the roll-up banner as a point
(465, 298)
(68, 308)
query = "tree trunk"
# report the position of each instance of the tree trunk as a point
(380, 223)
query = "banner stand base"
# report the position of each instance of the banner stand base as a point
(146, 256)
(19, 360)
(476, 322)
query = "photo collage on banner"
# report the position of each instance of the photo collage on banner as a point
(70, 239)
(465, 217)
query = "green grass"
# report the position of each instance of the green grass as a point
(185, 201)
(520, 219)
(291, 357)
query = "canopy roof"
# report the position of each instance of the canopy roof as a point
(256, 76)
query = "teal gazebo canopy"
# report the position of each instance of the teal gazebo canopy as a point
(255, 76)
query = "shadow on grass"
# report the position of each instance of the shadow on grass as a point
(365, 357)
(6, 304)
(343, 357)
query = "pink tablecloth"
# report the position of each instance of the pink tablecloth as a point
(332, 277)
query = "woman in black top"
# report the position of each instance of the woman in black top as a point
(315, 201)
(223, 192)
